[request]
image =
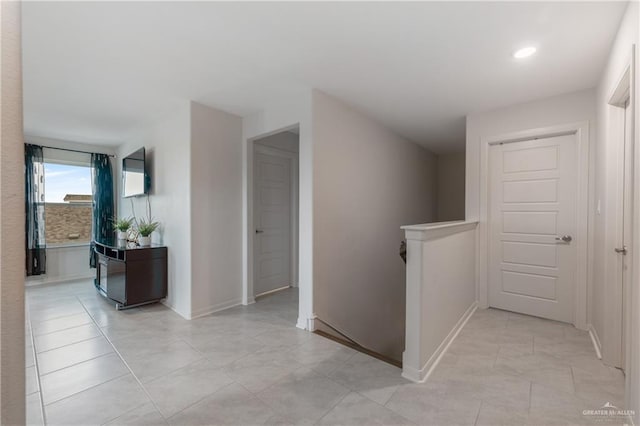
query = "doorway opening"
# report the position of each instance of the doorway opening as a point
(274, 213)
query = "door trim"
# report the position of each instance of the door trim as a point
(581, 130)
(633, 320)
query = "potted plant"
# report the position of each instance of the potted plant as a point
(145, 229)
(122, 225)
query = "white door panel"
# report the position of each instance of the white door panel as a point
(272, 220)
(527, 222)
(530, 191)
(529, 284)
(532, 202)
(533, 254)
(530, 160)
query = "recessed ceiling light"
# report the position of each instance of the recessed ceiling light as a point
(525, 52)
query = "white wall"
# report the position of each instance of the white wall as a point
(563, 109)
(194, 160)
(167, 144)
(65, 263)
(367, 183)
(283, 113)
(451, 170)
(441, 293)
(67, 144)
(605, 171)
(216, 209)
(449, 289)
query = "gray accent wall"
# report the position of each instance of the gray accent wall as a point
(286, 141)
(451, 167)
(12, 266)
(367, 183)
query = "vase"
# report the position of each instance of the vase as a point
(144, 241)
(122, 235)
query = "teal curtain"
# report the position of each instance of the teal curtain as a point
(36, 255)
(103, 203)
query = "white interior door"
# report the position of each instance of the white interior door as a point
(272, 221)
(532, 227)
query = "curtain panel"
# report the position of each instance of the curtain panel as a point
(103, 203)
(36, 256)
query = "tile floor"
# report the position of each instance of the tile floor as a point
(90, 364)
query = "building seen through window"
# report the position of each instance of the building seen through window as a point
(68, 204)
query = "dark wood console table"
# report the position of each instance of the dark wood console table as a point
(131, 275)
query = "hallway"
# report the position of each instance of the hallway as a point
(511, 369)
(248, 365)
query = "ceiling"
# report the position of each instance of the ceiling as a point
(93, 71)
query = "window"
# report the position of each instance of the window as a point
(68, 203)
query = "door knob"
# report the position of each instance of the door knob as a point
(259, 231)
(565, 238)
(622, 250)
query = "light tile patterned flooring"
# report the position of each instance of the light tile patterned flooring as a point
(251, 366)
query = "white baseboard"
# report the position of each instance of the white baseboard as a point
(35, 281)
(301, 323)
(204, 311)
(307, 324)
(421, 376)
(286, 287)
(312, 323)
(595, 340)
(173, 308)
(214, 308)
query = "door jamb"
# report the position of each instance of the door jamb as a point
(581, 130)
